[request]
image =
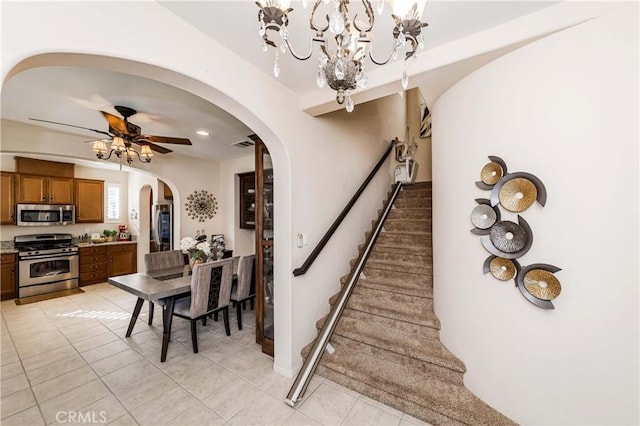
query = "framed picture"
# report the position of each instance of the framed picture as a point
(425, 121)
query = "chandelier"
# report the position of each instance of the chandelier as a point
(122, 150)
(341, 64)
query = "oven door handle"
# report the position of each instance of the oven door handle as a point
(45, 256)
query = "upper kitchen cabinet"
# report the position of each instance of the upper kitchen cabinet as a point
(89, 195)
(34, 189)
(44, 182)
(7, 199)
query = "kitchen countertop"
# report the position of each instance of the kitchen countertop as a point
(106, 243)
(6, 247)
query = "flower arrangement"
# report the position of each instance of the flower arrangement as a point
(195, 249)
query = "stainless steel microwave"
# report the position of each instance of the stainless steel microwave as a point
(45, 214)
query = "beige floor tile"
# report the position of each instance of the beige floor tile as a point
(203, 383)
(74, 399)
(8, 356)
(197, 414)
(14, 384)
(161, 409)
(47, 358)
(48, 372)
(125, 420)
(227, 404)
(94, 342)
(86, 333)
(16, 402)
(410, 420)
(264, 410)
(364, 413)
(328, 405)
(179, 367)
(105, 351)
(298, 419)
(148, 385)
(106, 410)
(10, 370)
(63, 383)
(249, 364)
(30, 416)
(116, 362)
(381, 405)
(28, 348)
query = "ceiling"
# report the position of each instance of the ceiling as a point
(77, 95)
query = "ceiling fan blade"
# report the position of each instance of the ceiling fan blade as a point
(116, 123)
(71, 125)
(164, 139)
(157, 148)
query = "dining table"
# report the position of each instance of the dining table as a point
(162, 287)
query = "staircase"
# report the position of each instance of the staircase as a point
(387, 341)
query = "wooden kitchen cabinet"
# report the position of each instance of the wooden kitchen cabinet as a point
(93, 265)
(8, 277)
(122, 259)
(34, 189)
(7, 199)
(89, 195)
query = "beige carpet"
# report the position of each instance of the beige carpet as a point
(387, 343)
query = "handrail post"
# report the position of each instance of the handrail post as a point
(318, 248)
(308, 368)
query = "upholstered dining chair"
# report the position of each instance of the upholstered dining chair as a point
(244, 290)
(210, 293)
(161, 260)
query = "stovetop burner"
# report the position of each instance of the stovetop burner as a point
(44, 244)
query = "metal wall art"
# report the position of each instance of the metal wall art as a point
(507, 240)
(201, 205)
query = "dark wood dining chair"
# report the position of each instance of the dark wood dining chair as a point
(210, 293)
(161, 260)
(244, 290)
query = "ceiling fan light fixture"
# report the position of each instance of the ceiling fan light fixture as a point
(145, 152)
(100, 148)
(118, 144)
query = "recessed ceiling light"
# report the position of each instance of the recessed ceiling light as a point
(203, 133)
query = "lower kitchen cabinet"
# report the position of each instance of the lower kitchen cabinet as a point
(123, 259)
(93, 265)
(8, 279)
(98, 263)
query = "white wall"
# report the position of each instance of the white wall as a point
(564, 108)
(242, 241)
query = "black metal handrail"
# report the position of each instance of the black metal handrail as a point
(325, 239)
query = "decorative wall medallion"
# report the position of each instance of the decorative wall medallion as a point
(201, 205)
(507, 240)
(483, 216)
(518, 194)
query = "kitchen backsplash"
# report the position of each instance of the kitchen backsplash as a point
(8, 232)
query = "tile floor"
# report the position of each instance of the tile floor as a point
(66, 361)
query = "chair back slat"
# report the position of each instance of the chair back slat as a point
(245, 274)
(210, 286)
(163, 260)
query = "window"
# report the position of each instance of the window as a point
(114, 202)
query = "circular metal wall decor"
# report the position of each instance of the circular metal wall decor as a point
(508, 237)
(518, 194)
(201, 205)
(483, 216)
(542, 284)
(491, 173)
(502, 269)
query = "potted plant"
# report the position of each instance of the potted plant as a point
(109, 234)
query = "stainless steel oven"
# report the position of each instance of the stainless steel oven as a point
(46, 263)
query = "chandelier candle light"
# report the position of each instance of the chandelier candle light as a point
(122, 149)
(343, 67)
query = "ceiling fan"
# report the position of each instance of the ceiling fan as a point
(129, 132)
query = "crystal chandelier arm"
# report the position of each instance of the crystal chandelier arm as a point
(370, 15)
(380, 62)
(318, 31)
(298, 57)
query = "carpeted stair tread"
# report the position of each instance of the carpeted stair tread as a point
(405, 238)
(416, 185)
(399, 249)
(407, 225)
(401, 255)
(383, 335)
(416, 193)
(416, 330)
(402, 380)
(405, 275)
(385, 265)
(409, 214)
(415, 203)
(417, 310)
(411, 288)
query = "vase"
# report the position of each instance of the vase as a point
(194, 261)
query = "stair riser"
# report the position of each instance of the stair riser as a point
(413, 313)
(399, 276)
(384, 356)
(399, 257)
(416, 193)
(386, 398)
(409, 214)
(372, 267)
(389, 238)
(424, 289)
(412, 203)
(407, 226)
(418, 331)
(380, 248)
